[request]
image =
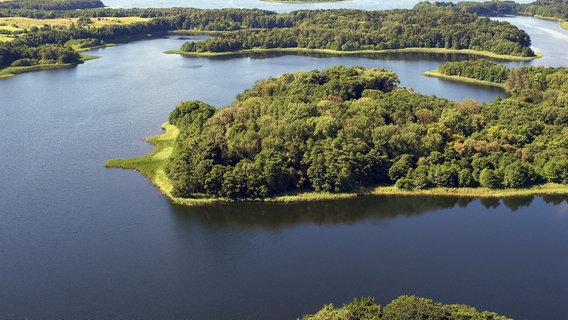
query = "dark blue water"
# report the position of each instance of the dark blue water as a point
(81, 241)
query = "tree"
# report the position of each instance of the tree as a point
(489, 178)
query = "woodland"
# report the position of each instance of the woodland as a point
(347, 129)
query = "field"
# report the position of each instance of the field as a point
(17, 23)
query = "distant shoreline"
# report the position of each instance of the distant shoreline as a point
(357, 52)
(153, 167)
(13, 71)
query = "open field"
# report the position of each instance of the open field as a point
(19, 23)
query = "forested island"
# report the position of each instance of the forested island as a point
(349, 130)
(427, 26)
(401, 308)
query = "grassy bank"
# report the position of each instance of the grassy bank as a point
(437, 74)
(12, 71)
(152, 166)
(358, 52)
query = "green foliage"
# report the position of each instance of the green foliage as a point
(51, 4)
(476, 69)
(402, 308)
(346, 129)
(557, 9)
(343, 30)
(358, 309)
(489, 178)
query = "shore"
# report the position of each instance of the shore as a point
(437, 74)
(357, 52)
(13, 71)
(153, 167)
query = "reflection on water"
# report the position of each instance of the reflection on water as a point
(273, 216)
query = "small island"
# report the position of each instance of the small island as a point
(345, 132)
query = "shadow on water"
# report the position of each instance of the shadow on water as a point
(274, 216)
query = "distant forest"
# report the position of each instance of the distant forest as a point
(425, 26)
(51, 4)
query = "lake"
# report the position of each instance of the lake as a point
(81, 241)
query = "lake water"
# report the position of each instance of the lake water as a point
(80, 241)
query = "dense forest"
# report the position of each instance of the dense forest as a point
(425, 26)
(343, 129)
(401, 308)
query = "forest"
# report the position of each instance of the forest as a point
(347, 129)
(401, 308)
(425, 26)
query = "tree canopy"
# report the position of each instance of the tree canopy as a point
(344, 129)
(425, 26)
(401, 308)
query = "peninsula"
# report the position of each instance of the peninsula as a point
(344, 132)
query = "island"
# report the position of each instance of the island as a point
(425, 28)
(345, 132)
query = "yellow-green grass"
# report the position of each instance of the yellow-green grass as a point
(545, 189)
(9, 28)
(438, 74)
(5, 38)
(12, 71)
(153, 165)
(564, 25)
(21, 23)
(359, 52)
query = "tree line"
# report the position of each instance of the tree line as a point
(51, 4)
(343, 129)
(425, 26)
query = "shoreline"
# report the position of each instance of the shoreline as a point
(152, 167)
(357, 52)
(439, 75)
(9, 72)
